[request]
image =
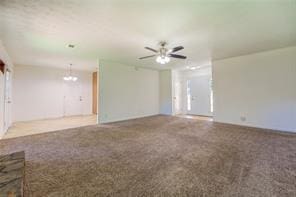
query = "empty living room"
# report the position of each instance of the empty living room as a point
(148, 98)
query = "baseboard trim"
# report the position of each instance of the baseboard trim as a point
(125, 119)
(255, 127)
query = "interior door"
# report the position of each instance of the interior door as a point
(73, 101)
(7, 100)
(199, 95)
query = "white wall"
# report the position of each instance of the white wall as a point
(260, 87)
(126, 92)
(165, 92)
(8, 63)
(39, 92)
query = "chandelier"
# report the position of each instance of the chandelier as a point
(70, 77)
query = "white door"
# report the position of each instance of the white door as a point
(7, 100)
(176, 98)
(199, 96)
(73, 99)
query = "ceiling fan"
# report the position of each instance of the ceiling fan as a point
(163, 54)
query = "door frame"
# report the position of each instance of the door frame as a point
(7, 98)
(187, 80)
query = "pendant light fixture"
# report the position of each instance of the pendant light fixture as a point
(70, 77)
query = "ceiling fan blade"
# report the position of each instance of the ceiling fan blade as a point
(176, 49)
(155, 51)
(147, 57)
(177, 56)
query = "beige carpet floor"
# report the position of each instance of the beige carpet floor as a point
(158, 156)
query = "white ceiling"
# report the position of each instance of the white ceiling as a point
(38, 32)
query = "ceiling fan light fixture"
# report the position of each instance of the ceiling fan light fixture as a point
(163, 54)
(163, 60)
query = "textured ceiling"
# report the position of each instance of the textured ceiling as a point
(38, 32)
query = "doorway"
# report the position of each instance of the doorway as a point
(199, 96)
(95, 93)
(66, 104)
(73, 100)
